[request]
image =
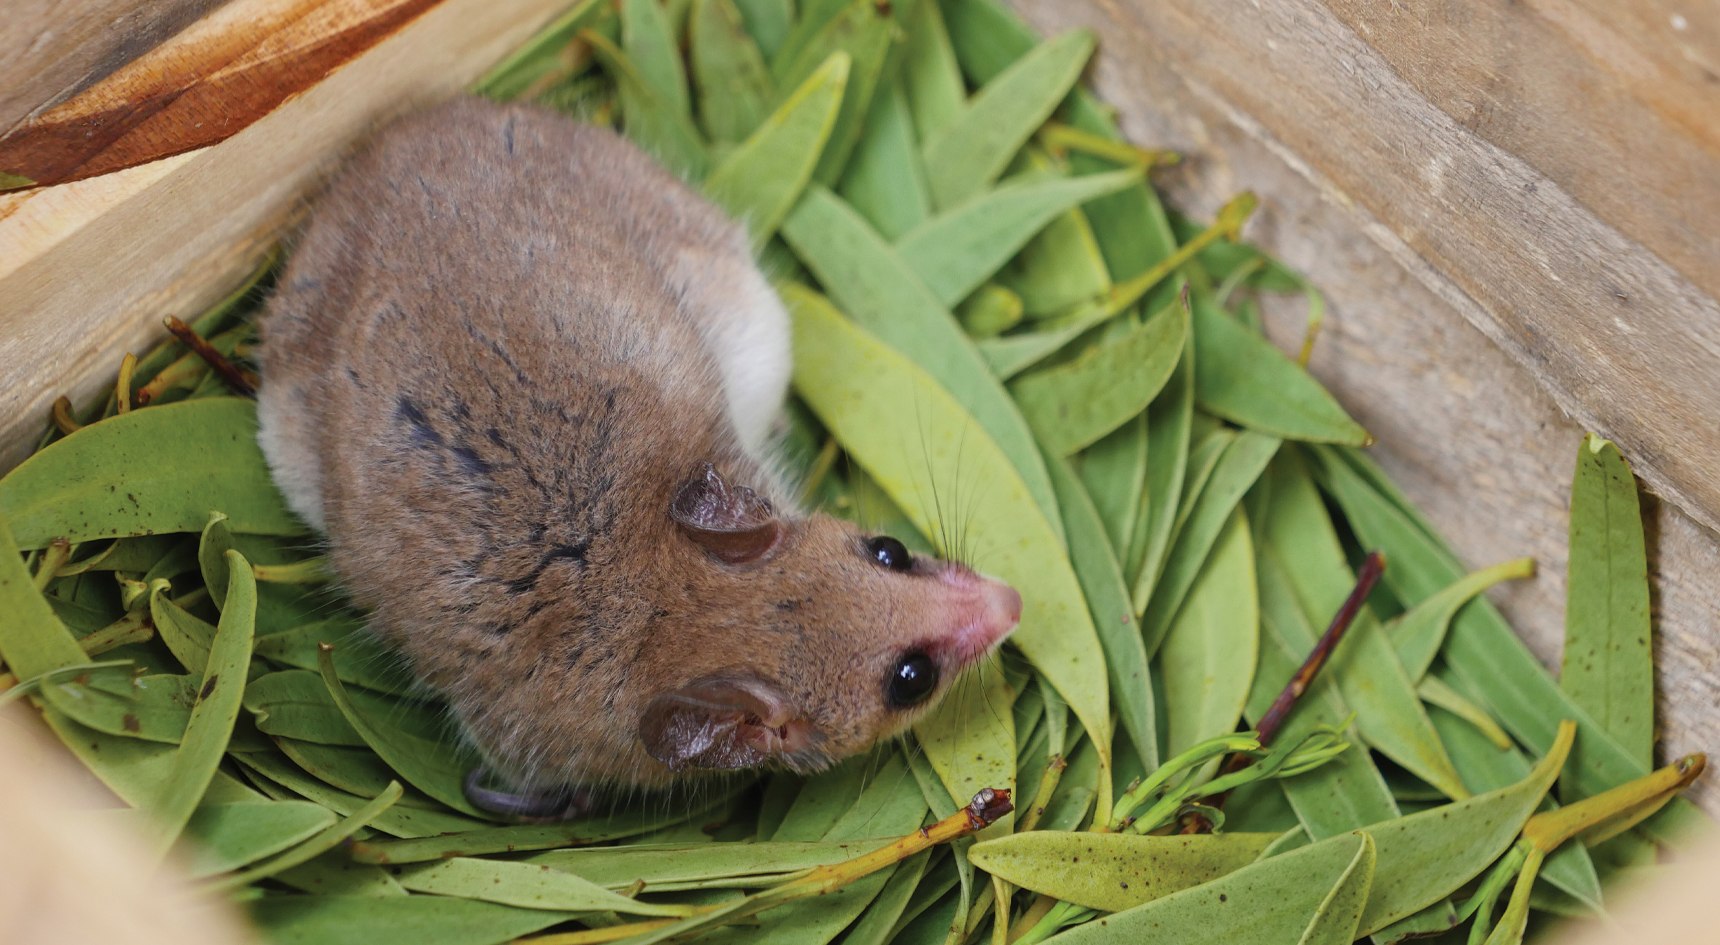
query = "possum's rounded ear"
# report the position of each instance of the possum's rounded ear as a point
(724, 723)
(732, 523)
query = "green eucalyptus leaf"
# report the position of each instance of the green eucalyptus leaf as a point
(767, 22)
(1209, 654)
(544, 56)
(1115, 871)
(1241, 377)
(825, 797)
(148, 472)
(859, 387)
(418, 745)
(153, 708)
(960, 248)
(413, 920)
(1485, 654)
(531, 837)
(224, 837)
(216, 541)
(885, 180)
(863, 30)
(734, 83)
(973, 149)
(969, 740)
(357, 771)
(526, 885)
(1418, 633)
(1233, 471)
(359, 658)
(762, 178)
(398, 821)
(651, 122)
(879, 290)
(1114, 470)
(186, 635)
(296, 704)
(1113, 619)
(1075, 404)
(1170, 421)
(333, 874)
(1608, 666)
(930, 74)
(651, 45)
(215, 710)
(1281, 899)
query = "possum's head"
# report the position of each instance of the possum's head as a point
(808, 639)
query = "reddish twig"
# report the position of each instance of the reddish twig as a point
(1273, 718)
(242, 382)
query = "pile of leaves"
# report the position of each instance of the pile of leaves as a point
(1006, 350)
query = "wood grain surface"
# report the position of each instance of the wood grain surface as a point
(1471, 432)
(47, 56)
(205, 84)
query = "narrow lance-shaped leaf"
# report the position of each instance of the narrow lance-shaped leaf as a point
(1238, 467)
(735, 87)
(876, 288)
(1113, 617)
(968, 741)
(862, 29)
(216, 709)
(212, 548)
(767, 21)
(1209, 655)
(546, 53)
(885, 181)
(1417, 634)
(1062, 267)
(1365, 666)
(1487, 655)
(859, 387)
(1075, 404)
(436, 766)
(957, 250)
(650, 44)
(1170, 419)
(1333, 798)
(32, 640)
(355, 920)
(1272, 900)
(652, 123)
(973, 149)
(148, 472)
(765, 175)
(1609, 663)
(1115, 871)
(933, 80)
(1114, 470)
(1240, 376)
(523, 884)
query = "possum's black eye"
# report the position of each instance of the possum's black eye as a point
(890, 553)
(913, 679)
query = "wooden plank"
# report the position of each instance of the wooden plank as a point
(47, 55)
(204, 85)
(1617, 335)
(98, 270)
(1466, 429)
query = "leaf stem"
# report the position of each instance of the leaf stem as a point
(242, 382)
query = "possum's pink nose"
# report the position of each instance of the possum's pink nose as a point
(1005, 604)
(982, 610)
